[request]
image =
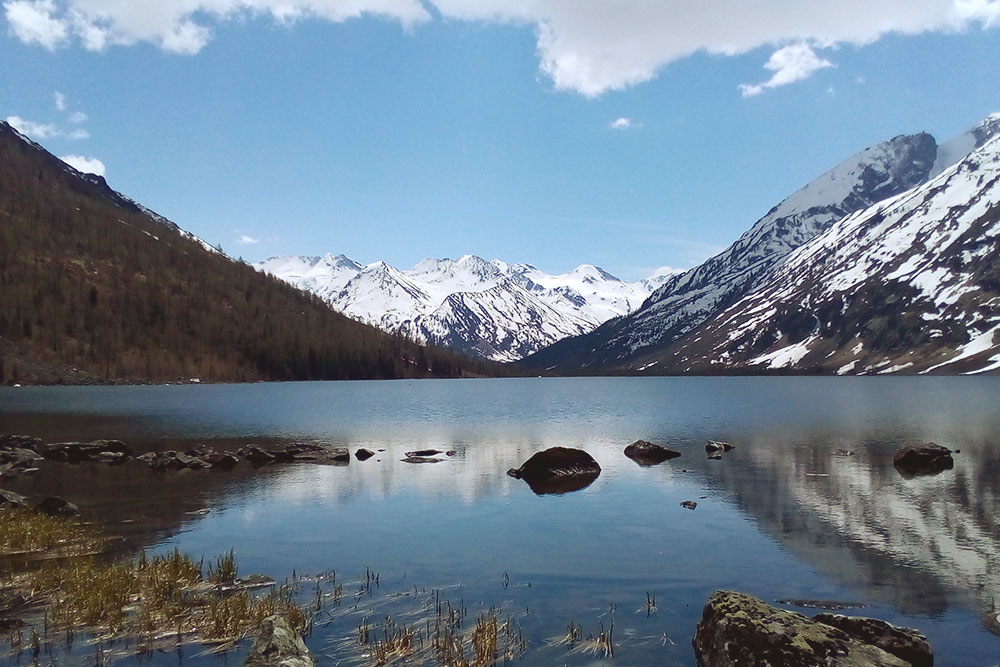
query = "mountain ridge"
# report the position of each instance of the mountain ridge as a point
(485, 308)
(98, 288)
(673, 314)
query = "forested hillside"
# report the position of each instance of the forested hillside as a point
(93, 287)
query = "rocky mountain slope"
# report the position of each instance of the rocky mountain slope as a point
(666, 334)
(911, 284)
(97, 288)
(488, 309)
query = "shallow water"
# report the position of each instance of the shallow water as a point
(782, 516)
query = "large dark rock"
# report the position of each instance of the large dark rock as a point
(78, 452)
(739, 629)
(647, 454)
(928, 459)
(905, 643)
(277, 645)
(364, 454)
(558, 470)
(56, 506)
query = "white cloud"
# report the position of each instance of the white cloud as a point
(78, 117)
(593, 46)
(789, 64)
(178, 27)
(43, 131)
(32, 22)
(248, 240)
(586, 46)
(621, 124)
(86, 165)
(666, 271)
(36, 131)
(60, 101)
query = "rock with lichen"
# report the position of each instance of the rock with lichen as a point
(740, 629)
(277, 645)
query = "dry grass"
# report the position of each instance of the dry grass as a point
(148, 599)
(25, 531)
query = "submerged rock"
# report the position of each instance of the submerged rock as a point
(739, 629)
(823, 604)
(423, 453)
(928, 459)
(79, 452)
(421, 459)
(310, 453)
(718, 446)
(277, 645)
(689, 504)
(647, 454)
(558, 470)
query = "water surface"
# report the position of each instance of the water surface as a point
(782, 516)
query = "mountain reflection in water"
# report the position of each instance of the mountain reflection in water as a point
(919, 543)
(783, 515)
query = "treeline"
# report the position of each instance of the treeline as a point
(90, 280)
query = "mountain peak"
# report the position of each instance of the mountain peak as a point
(437, 299)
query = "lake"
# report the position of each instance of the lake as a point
(782, 516)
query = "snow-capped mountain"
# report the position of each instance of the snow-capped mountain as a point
(673, 314)
(489, 309)
(911, 284)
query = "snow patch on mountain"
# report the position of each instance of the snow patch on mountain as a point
(908, 285)
(490, 309)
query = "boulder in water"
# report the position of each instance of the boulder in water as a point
(647, 454)
(739, 629)
(928, 459)
(558, 470)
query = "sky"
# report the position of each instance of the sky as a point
(630, 134)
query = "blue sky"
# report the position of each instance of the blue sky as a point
(630, 134)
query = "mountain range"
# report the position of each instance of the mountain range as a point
(887, 263)
(97, 288)
(488, 309)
